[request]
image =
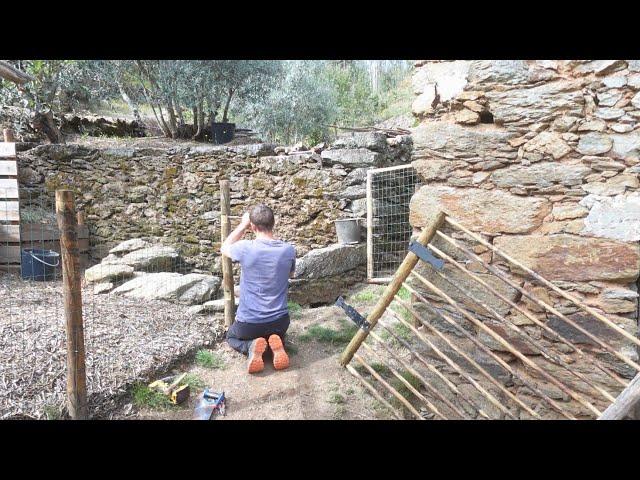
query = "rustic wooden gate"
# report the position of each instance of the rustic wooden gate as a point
(9, 208)
(461, 359)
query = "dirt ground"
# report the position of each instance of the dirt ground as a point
(314, 387)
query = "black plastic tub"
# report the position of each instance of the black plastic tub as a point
(39, 264)
(222, 132)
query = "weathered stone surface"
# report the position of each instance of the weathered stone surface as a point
(602, 67)
(617, 217)
(613, 186)
(568, 211)
(573, 258)
(158, 258)
(331, 260)
(593, 125)
(102, 287)
(594, 143)
(609, 98)
(626, 145)
(476, 209)
(541, 175)
(465, 290)
(451, 78)
(549, 143)
(212, 306)
(103, 273)
(635, 101)
(324, 289)
(357, 157)
(609, 113)
(615, 81)
(424, 103)
(467, 117)
(498, 71)
(588, 323)
(129, 246)
(174, 287)
(433, 169)
(376, 141)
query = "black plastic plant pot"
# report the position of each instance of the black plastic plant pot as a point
(222, 132)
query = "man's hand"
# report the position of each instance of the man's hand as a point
(245, 222)
(236, 235)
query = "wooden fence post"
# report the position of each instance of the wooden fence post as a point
(8, 135)
(401, 275)
(76, 375)
(227, 268)
(624, 404)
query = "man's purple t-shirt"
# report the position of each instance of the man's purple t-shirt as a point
(264, 278)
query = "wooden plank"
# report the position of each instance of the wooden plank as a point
(9, 233)
(629, 397)
(9, 188)
(7, 150)
(8, 167)
(9, 211)
(9, 254)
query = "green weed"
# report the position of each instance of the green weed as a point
(342, 336)
(209, 359)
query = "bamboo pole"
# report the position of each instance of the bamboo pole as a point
(486, 350)
(545, 353)
(547, 283)
(369, 227)
(374, 392)
(493, 400)
(548, 308)
(417, 374)
(227, 268)
(510, 348)
(406, 383)
(76, 374)
(401, 274)
(627, 399)
(393, 391)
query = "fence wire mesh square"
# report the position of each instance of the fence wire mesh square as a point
(388, 195)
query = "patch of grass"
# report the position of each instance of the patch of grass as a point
(350, 391)
(342, 336)
(402, 331)
(336, 398)
(403, 293)
(379, 368)
(364, 296)
(194, 381)
(403, 390)
(143, 396)
(52, 412)
(294, 308)
(209, 359)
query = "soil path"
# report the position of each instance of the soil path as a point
(314, 386)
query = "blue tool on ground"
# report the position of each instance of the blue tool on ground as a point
(211, 403)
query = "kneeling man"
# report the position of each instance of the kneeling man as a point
(266, 265)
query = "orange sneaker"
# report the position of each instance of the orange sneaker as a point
(256, 349)
(280, 357)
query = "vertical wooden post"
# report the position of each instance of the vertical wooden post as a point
(369, 227)
(227, 268)
(80, 217)
(76, 375)
(400, 276)
(9, 135)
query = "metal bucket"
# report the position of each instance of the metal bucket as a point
(348, 230)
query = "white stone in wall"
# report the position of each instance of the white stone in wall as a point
(613, 217)
(449, 77)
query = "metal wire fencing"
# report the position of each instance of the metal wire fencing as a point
(389, 191)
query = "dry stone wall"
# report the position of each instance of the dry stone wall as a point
(543, 159)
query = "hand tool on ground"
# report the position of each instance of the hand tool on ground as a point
(211, 403)
(172, 388)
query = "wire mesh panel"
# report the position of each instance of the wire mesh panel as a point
(389, 191)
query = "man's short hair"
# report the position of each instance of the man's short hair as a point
(262, 218)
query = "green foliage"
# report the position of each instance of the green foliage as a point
(294, 308)
(342, 336)
(209, 359)
(52, 412)
(336, 398)
(404, 294)
(143, 396)
(194, 381)
(365, 296)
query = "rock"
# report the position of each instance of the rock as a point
(158, 258)
(568, 211)
(573, 258)
(602, 67)
(615, 81)
(634, 80)
(451, 78)
(467, 117)
(609, 113)
(477, 209)
(498, 71)
(613, 186)
(609, 98)
(433, 169)
(593, 125)
(473, 106)
(376, 141)
(359, 157)
(626, 145)
(321, 290)
(288, 164)
(331, 260)
(212, 306)
(425, 102)
(635, 101)
(359, 207)
(621, 127)
(353, 192)
(523, 346)
(617, 218)
(594, 143)
(563, 123)
(102, 287)
(588, 323)
(129, 246)
(102, 273)
(173, 287)
(541, 175)
(601, 164)
(549, 143)
(357, 176)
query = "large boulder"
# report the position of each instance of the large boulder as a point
(573, 258)
(157, 257)
(376, 141)
(102, 273)
(189, 289)
(129, 246)
(331, 260)
(490, 211)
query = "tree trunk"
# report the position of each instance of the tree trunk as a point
(172, 119)
(226, 106)
(132, 106)
(43, 122)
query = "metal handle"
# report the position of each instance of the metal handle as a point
(42, 261)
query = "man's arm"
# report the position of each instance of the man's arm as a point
(235, 235)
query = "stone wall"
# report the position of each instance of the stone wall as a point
(173, 194)
(542, 158)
